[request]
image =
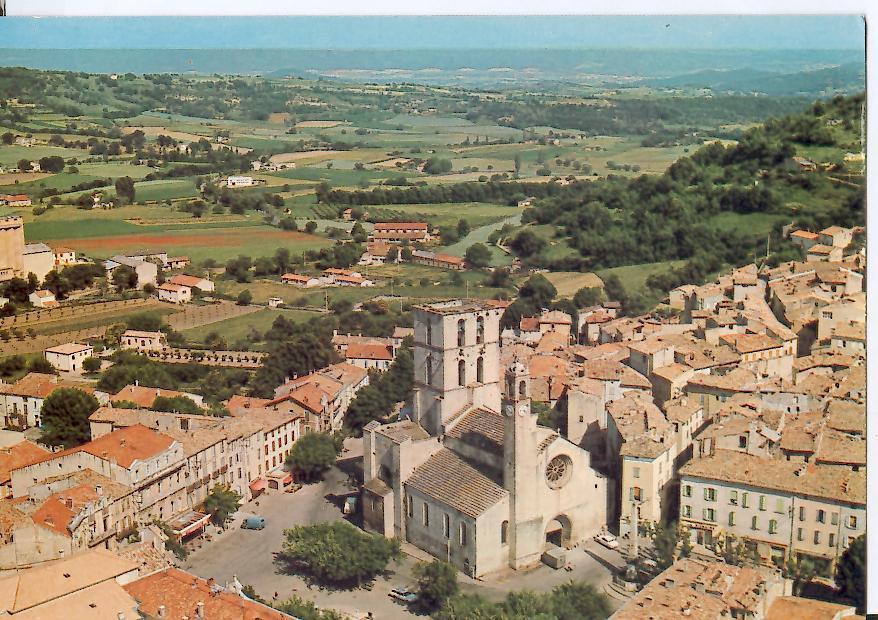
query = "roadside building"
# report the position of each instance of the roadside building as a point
(15, 200)
(433, 259)
(780, 508)
(68, 357)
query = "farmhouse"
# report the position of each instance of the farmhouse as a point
(42, 299)
(144, 341)
(398, 232)
(174, 293)
(64, 256)
(299, 280)
(177, 262)
(344, 277)
(239, 181)
(804, 239)
(147, 271)
(68, 357)
(25, 141)
(432, 259)
(15, 200)
(202, 284)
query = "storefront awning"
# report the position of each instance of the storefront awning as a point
(189, 523)
(258, 485)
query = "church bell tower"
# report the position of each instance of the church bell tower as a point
(520, 475)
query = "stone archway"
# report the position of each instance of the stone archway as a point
(558, 532)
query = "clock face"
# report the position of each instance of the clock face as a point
(509, 410)
(522, 409)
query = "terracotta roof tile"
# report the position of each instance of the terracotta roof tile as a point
(447, 478)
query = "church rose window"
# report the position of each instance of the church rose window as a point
(558, 471)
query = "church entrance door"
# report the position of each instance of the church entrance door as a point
(558, 532)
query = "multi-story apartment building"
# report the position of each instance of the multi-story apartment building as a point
(780, 508)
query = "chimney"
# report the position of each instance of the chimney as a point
(99, 490)
(161, 611)
(199, 610)
(121, 615)
(68, 501)
(137, 383)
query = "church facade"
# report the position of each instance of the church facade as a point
(472, 478)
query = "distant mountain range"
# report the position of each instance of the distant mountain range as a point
(780, 71)
(850, 77)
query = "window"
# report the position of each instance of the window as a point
(852, 522)
(816, 537)
(504, 532)
(733, 498)
(480, 370)
(745, 500)
(742, 442)
(708, 514)
(772, 526)
(635, 493)
(821, 516)
(801, 513)
(754, 523)
(832, 540)
(687, 490)
(461, 332)
(480, 330)
(800, 534)
(428, 370)
(522, 389)
(761, 502)
(426, 515)
(636, 472)
(687, 511)
(463, 534)
(429, 332)
(410, 507)
(834, 518)
(778, 506)
(461, 373)
(710, 494)
(446, 525)
(731, 518)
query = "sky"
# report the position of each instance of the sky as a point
(410, 32)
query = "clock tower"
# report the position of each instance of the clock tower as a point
(520, 470)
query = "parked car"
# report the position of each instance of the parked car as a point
(403, 595)
(607, 540)
(253, 523)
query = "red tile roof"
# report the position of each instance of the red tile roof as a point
(125, 445)
(19, 455)
(365, 351)
(181, 593)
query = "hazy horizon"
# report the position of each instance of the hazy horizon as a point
(438, 32)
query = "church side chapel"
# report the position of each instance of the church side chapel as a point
(472, 478)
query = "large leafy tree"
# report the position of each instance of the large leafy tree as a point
(376, 400)
(437, 582)
(125, 189)
(478, 255)
(850, 574)
(337, 552)
(312, 454)
(124, 277)
(570, 601)
(65, 415)
(221, 503)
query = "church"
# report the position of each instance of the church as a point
(472, 478)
